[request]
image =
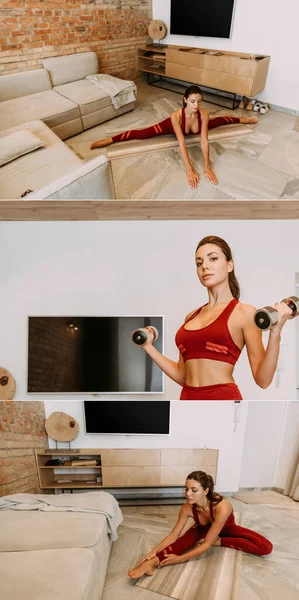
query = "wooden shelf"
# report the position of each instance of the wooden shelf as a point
(126, 468)
(234, 72)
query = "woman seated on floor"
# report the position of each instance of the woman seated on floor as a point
(214, 526)
(190, 119)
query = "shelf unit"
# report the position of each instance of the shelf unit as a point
(50, 476)
(235, 73)
(123, 468)
(152, 59)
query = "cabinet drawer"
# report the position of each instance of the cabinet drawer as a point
(131, 476)
(236, 84)
(130, 457)
(192, 74)
(230, 64)
(188, 57)
(177, 475)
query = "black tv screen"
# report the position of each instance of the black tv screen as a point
(200, 18)
(91, 355)
(127, 417)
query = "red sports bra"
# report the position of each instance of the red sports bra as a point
(229, 521)
(213, 341)
(184, 123)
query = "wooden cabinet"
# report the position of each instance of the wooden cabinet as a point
(233, 72)
(121, 468)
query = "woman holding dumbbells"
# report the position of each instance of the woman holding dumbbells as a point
(213, 336)
(214, 526)
(190, 119)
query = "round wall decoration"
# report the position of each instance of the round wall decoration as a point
(61, 427)
(7, 385)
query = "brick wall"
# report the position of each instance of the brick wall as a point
(34, 29)
(21, 430)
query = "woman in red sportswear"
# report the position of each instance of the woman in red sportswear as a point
(190, 119)
(212, 337)
(214, 525)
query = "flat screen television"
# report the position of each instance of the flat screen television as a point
(201, 18)
(127, 417)
(91, 355)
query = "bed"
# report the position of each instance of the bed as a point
(56, 546)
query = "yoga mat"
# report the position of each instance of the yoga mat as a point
(263, 497)
(212, 576)
(164, 142)
(296, 124)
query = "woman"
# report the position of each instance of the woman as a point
(213, 336)
(214, 525)
(191, 119)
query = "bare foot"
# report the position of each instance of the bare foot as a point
(252, 120)
(101, 143)
(145, 568)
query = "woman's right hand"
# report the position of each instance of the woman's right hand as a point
(193, 178)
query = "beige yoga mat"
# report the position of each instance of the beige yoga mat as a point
(296, 124)
(212, 576)
(164, 142)
(262, 497)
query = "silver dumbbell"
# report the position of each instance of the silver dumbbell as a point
(267, 317)
(143, 335)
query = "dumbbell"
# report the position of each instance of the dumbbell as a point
(142, 335)
(267, 317)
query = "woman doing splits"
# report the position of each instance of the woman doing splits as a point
(212, 337)
(214, 525)
(191, 119)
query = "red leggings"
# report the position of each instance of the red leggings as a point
(220, 391)
(232, 536)
(165, 127)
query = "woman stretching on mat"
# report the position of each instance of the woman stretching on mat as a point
(214, 526)
(191, 119)
(212, 337)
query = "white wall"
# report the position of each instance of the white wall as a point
(115, 268)
(265, 27)
(192, 425)
(271, 443)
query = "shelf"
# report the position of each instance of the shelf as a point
(70, 467)
(151, 70)
(70, 484)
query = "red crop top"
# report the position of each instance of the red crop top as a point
(213, 341)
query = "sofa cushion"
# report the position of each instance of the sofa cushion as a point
(25, 83)
(72, 67)
(48, 106)
(18, 143)
(88, 96)
(39, 168)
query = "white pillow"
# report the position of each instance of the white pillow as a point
(16, 144)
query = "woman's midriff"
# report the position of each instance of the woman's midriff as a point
(201, 372)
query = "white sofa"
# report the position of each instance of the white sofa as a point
(56, 547)
(55, 103)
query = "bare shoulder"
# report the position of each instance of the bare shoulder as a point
(176, 115)
(223, 507)
(204, 113)
(190, 314)
(245, 311)
(186, 510)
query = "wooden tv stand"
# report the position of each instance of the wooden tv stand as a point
(123, 468)
(234, 72)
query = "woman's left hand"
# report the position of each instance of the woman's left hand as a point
(210, 176)
(284, 313)
(170, 559)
